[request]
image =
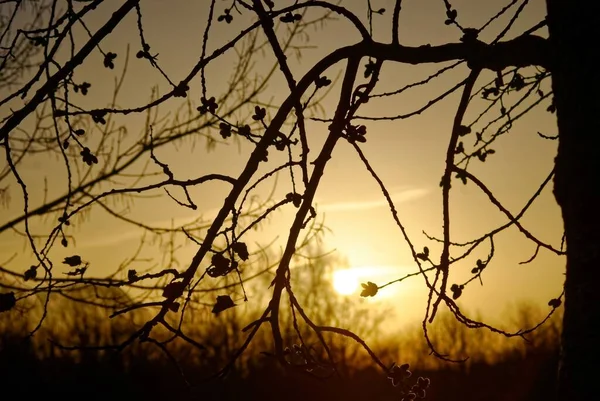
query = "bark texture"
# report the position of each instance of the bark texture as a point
(573, 35)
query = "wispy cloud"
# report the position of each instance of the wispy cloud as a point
(397, 197)
(115, 238)
(129, 234)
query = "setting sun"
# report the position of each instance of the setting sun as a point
(345, 282)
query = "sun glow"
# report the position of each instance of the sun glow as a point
(348, 281)
(345, 281)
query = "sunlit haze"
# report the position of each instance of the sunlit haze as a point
(408, 155)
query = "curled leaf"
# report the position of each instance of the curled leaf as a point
(259, 113)
(223, 302)
(208, 105)
(423, 382)
(30, 274)
(555, 303)
(98, 116)
(290, 18)
(398, 374)
(463, 130)
(517, 82)
(245, 130)
(424, 255)
(132, 275)
(462, 176)
(296, 198)
(221, 265)
(72, 261)
(7, 301)
(369, 289)
(88, 157)
(241, 250)
(227, 17)
(322, 82)
(281, 142)
(224, 130)
(480, 265)
(173, 290)
(456, 290)
(451, 14)
(109, 60)
(84, 87)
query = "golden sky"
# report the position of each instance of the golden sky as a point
(407, 154)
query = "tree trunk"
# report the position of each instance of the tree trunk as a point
(577, 189)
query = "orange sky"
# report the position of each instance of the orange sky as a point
(408, 155)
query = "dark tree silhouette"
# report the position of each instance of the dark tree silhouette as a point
(40, 115)
(575, 76)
